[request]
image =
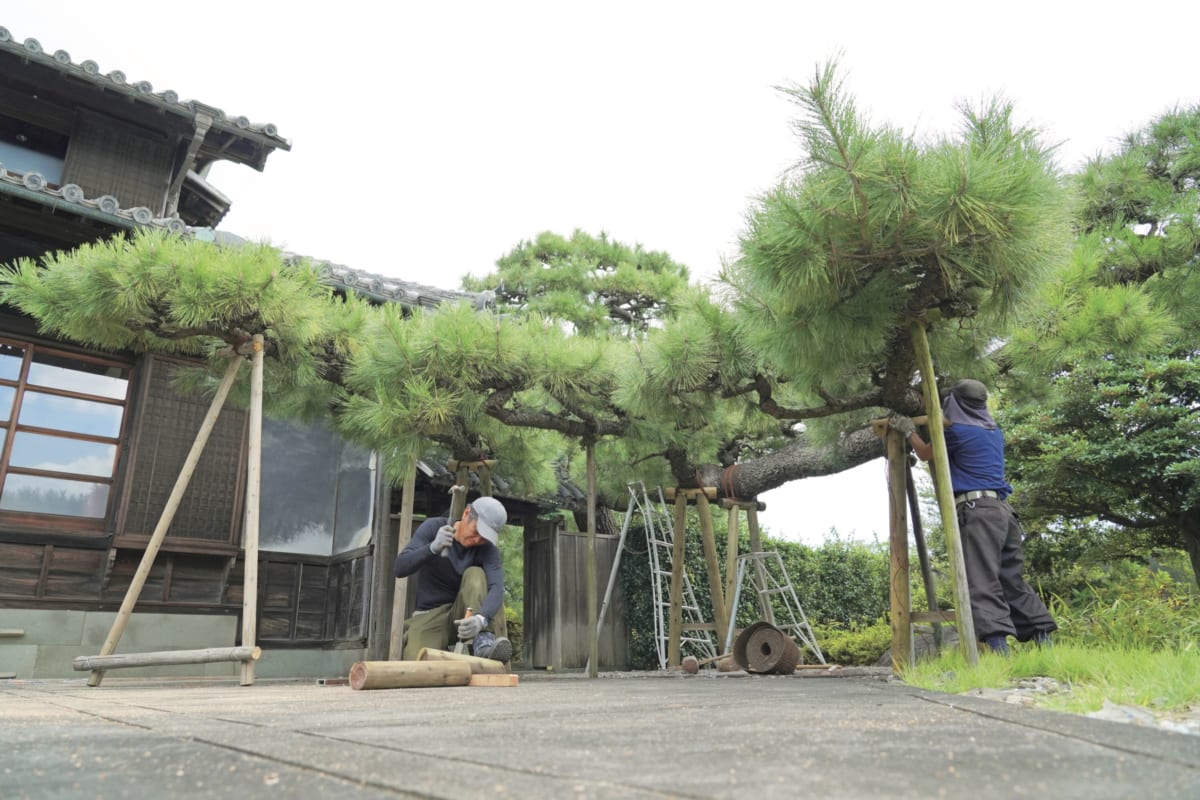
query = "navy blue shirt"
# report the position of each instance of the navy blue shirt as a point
(976, 457)
(439, 576)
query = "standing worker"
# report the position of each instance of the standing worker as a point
(458, 568)
(1002, 603)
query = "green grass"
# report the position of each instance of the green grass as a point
(1163, 680)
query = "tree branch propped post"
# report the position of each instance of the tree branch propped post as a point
(945, 495)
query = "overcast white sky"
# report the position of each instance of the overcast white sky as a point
(430, 138)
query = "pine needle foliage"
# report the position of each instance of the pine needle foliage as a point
(874, 229)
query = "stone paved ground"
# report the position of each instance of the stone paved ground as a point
(649, 735)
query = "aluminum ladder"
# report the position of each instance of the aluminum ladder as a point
(696, 637)
(769, 579)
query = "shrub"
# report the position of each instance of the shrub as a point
(857, 644)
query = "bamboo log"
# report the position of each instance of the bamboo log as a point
(253, 495)
(168, 514)
(208, 655)
(945, 496)
(408, 674)
(479, 666)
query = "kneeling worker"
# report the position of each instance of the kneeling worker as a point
(457, 567)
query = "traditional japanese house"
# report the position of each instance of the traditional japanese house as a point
(92, 442)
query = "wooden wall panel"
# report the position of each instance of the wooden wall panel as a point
(20, 569)
(75, 573)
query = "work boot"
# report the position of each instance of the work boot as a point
(1042, 639)
(998, 644)
(488, 646)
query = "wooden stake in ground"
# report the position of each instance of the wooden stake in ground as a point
(593, 664)
(168, 514)
(253, 496)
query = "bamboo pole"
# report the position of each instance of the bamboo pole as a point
(901, 602)
(709, 540)
(253, 500)
(208, 655)
(945, 496)
(400, 593)
(590, 577)
(675, 626)
(168, 514)
(408, 674)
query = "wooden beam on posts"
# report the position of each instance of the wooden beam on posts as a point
(253, 497)
(167, 516)
(945, 495)
(208, 655)
(901, 602)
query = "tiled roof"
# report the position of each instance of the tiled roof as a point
(69, 197)
(140, 91)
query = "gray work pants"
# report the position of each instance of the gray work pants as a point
(1002, 603)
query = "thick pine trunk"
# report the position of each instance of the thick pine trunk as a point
(798, 460)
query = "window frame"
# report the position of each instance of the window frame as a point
(24, 520)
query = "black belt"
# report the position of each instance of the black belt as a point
(968, 496)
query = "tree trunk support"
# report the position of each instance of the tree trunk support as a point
(253, 494)
(751, 507)
(593, 664)
(400, 587)
(901, 602)
(945, 494)
(168, 515)
(701, 498)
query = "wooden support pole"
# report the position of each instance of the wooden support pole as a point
(400, 593)
(731, 556)
(914, 510)
(945, 495)
(408, 674)
(458, 493)
(593, 664)
(208, 655)
(709, 540)
(168, 515)
(479, 666)
(675, 626)
(253, 499)
(901, 602)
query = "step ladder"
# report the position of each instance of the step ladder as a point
(769, 580)
(697, 637)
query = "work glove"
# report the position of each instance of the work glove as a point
(902, 424)
(442, 539)
(470, 627)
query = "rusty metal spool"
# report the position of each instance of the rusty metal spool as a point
(763, 648)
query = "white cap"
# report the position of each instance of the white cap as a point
(490, 517)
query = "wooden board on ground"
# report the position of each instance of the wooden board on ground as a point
(484, 679)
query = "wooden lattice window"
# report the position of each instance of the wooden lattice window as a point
(167, 422)
(61, 433)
